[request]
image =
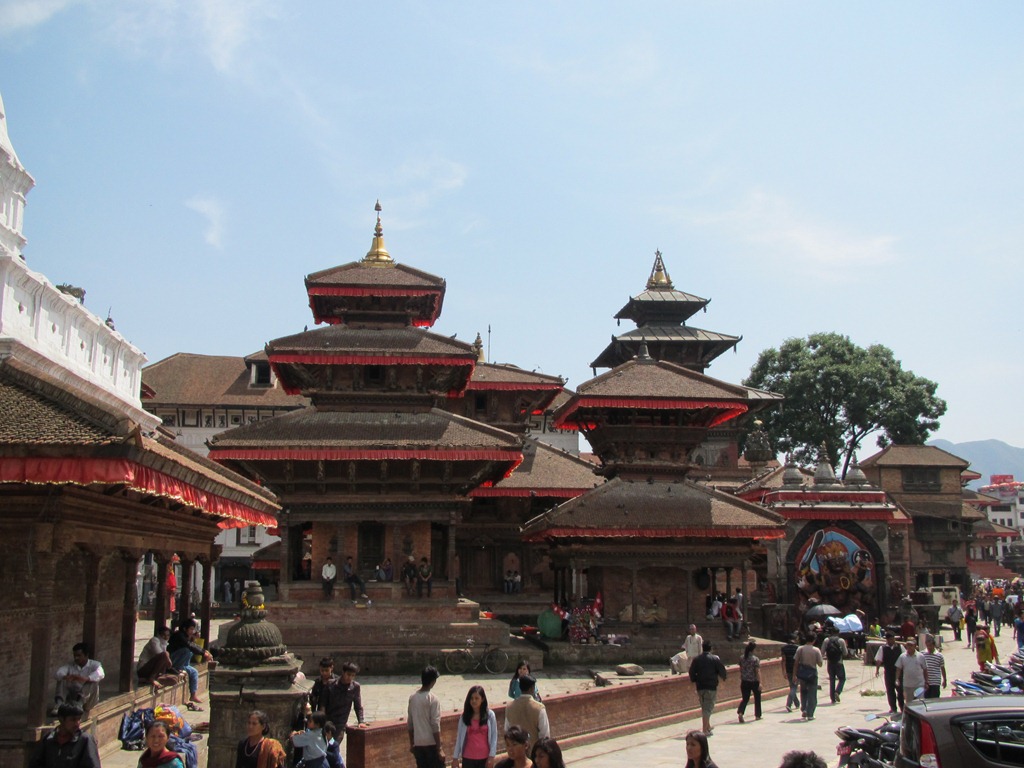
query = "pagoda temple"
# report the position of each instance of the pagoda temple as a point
(375, 469)
(651, 540)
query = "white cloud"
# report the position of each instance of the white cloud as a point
(222, 29)
(791, 236)
(20, 15)
(417, 184)
(212, 210)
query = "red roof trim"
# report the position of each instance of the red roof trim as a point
(497, 492)
(840, 514)
(394, 358)
(729, 410)
(659, 533)
(342, 454)
(348, 290)
(518, 387)
(80, 471)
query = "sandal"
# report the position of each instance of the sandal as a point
(191, 706)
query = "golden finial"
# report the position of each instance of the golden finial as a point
(378, 254)
(659, 278)
(478, 346)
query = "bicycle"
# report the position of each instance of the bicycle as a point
(462, 660)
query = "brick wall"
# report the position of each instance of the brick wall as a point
(576, 718)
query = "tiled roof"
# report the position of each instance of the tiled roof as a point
(675, 333)
(312, 428)
(545, 467)
(664, 507)
(54, 432)
(654, 379)
(342, 340)
(189, 379)
(358, 273)
(914, 456)
(488, 373)
(31, 419)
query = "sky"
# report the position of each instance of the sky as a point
(848, 167)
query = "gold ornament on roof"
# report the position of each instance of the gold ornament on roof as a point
(378, 255)
(659, 278)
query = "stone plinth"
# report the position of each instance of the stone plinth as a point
(255, 671)
(237, 691)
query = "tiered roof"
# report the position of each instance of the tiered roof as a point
(660, 313)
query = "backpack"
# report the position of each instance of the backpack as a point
(133, 728)
(833, 651)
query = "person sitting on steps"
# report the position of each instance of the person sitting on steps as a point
(182, 648)
(78, 681)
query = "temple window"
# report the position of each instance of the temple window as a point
(924, 479)
(373, 375)
(260, 376)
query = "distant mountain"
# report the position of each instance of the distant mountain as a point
(987, 457)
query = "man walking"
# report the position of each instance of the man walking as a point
(528, 713)
(910, 671)
(953, 616)
(705, 672)
(424, 723)
(835, 651)
(788, 655)
(995, 612)
(328, 575)
(934, 669)
(808, 659)
(886, 659)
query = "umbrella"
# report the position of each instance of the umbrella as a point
(821, 610)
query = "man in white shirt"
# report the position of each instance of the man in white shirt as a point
(910, 670)
(79, 681)
(328, 574)
(424, 723)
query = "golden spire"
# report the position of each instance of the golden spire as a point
(478, 345)
(659, 278)
(378, 255)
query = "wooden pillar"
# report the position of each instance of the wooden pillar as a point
(632, 595)
(728, 582)
(160, 602)
(284, 574)
(90, 617)
(126, 669)
(687, 595)
(185, 602)
(44, 619)
(206, 609)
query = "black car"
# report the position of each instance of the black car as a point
(963, 732)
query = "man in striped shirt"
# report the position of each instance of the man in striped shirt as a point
(934, 669)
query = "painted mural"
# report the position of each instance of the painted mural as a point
(834, 567)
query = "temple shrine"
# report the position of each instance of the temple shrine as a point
(380, 467)
(651, 540)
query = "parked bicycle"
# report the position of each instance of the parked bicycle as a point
(462, 660)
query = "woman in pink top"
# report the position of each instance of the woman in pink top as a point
(477, 740)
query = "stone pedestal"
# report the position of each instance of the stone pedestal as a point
(254, 671)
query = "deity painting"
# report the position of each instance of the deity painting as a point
(834, 567)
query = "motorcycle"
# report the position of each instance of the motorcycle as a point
(868, 748)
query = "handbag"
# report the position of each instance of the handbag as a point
(806, 672)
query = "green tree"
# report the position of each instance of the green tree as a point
(838, 393)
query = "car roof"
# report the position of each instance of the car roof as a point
(994, 702)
